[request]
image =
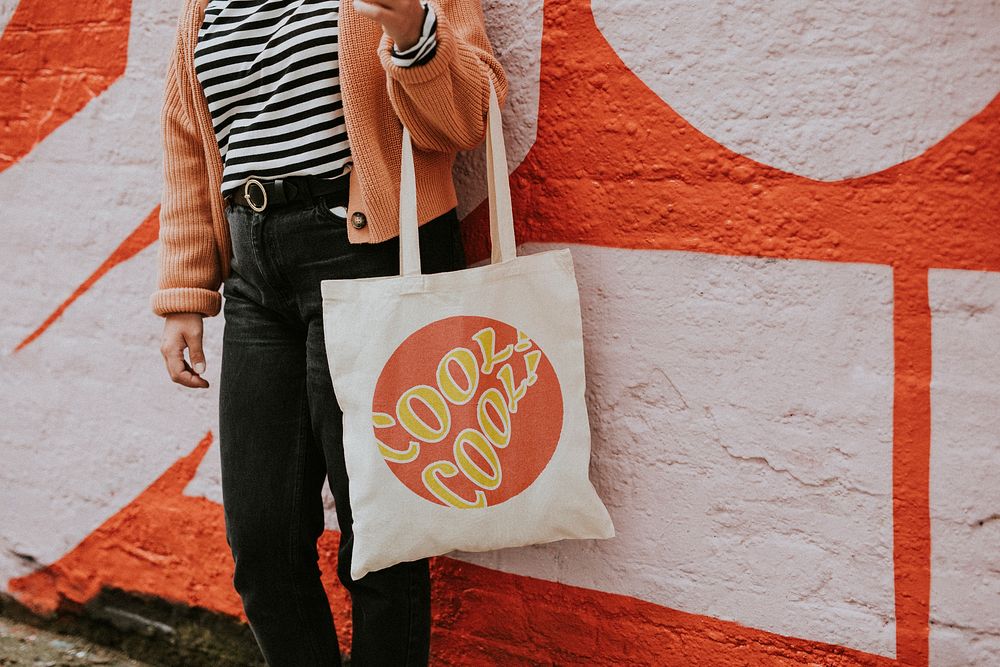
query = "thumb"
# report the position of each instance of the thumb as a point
(195, 351)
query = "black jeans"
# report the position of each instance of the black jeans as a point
(281, 435)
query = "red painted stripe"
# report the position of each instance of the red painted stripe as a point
(614, 165)
(172, 546)
(55, 57)
(911, 464)
(140, 238)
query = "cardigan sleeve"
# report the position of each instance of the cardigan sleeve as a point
(444, 101)
(189, 272)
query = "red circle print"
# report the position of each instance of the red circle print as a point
(467, 411)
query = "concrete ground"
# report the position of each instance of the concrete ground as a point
(116, 624)
(23, 645)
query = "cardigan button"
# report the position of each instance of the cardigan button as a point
(358, 220)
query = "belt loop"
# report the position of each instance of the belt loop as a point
(279, 191)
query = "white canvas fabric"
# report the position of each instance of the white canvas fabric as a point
(465, 424)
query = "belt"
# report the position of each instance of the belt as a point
(259, 195)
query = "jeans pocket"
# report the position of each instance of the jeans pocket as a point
(331, 211)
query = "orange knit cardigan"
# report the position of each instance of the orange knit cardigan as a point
(443, 102)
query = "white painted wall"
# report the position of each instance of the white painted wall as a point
(828, 90)
(965, 468)
(741, 412)
(90, 416)
(741, 407)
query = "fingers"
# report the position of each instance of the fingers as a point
(179, 370)
(381, 10)
(172, 347)
(373, 10)
(195, 352)
(402, 20)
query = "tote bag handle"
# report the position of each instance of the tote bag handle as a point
(502, 242)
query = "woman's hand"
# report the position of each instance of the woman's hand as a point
(183, 330)
(402, 20)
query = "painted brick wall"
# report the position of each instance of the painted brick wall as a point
(785, 225)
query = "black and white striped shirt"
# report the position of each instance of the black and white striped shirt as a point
(269, 69)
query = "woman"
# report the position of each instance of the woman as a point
(282, 122)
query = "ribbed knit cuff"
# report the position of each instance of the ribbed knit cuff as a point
(429, 70)
(186, 300)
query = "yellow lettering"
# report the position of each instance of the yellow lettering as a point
(432, 481)
(446, 381)
(487, 345)
(417, 427)
(396, 456)
(480, 477)
(498, 437)
(506, 376)
(382, 420)
(531, 365)
(523, 342)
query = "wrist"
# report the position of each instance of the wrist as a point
(411, 38)
(407, 43)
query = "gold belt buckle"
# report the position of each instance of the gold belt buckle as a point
(246, 194)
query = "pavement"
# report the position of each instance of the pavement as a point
(23, 645)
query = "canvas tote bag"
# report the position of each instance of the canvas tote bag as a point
(465, 425)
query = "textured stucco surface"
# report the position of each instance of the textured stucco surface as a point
(742, 421)
(965, 495)
(88, 433)
(515, 29)
(827, 90)
(755, 195)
